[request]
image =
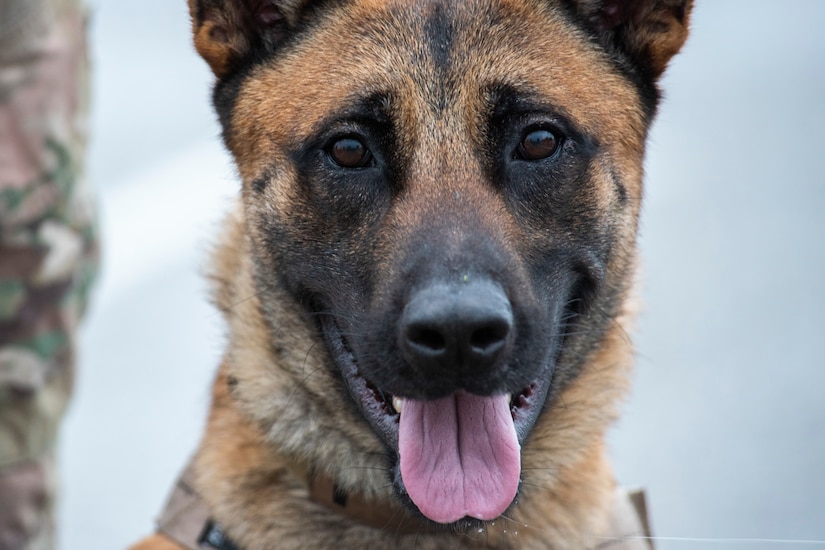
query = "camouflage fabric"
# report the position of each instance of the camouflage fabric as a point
(48, 249)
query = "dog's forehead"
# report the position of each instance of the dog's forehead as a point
(434, 56)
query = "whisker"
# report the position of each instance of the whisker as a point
(223, 310)
(511, 520)
(305, 378)
(614, 321)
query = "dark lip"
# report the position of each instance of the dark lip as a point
(376, 405)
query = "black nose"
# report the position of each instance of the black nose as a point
(465, 327)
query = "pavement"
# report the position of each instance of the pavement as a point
(726, 424)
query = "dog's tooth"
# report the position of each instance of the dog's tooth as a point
(397, 403)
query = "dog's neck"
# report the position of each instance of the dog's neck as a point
(188, 521)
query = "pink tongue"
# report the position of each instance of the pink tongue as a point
(459, 456)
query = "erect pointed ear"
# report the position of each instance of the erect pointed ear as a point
(650, 32)
(227, 31)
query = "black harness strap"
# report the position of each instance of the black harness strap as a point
(185, 519)
(213, 537)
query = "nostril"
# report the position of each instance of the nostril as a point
(489, 338)
(427, 338)
(457, 330)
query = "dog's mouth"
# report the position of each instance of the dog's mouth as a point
(458, 457)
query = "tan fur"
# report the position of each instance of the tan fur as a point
(275, 410)
(156, 542)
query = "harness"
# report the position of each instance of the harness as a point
(186, 518)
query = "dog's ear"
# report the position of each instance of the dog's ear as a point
(228, 31)
(650, 32)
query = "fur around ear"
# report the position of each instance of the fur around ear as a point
(228, 31)
(650, 32)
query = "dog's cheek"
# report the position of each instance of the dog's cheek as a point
(348, 206)
(319, 241)
(570, 234)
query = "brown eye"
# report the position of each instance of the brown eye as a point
(538, 144)
(350, 153)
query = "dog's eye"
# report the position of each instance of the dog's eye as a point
(350, 152)
(538, 144)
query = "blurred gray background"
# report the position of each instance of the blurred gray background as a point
(726, 426)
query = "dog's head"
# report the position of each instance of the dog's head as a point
(442, 196)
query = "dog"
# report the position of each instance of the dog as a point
(428, 273)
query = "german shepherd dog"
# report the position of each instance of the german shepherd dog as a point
(428, 271)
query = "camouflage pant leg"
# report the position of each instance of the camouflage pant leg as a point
(47, 250)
